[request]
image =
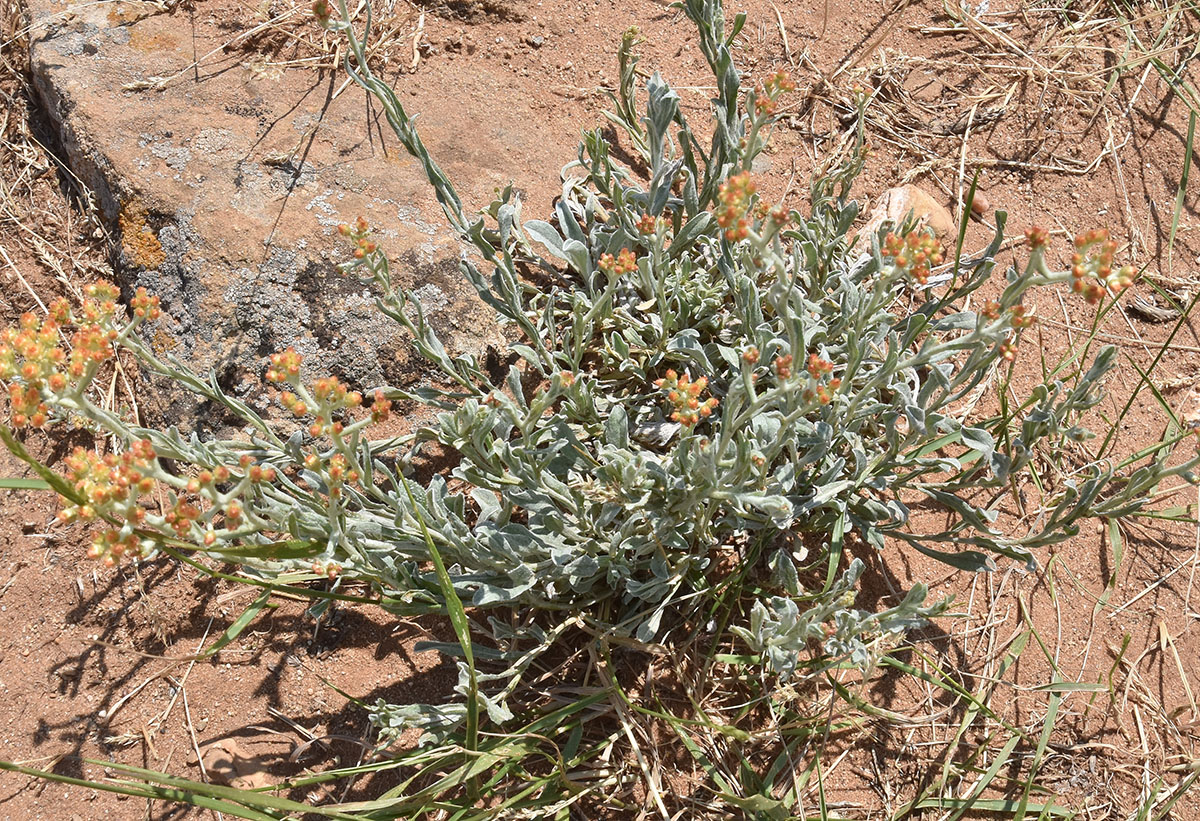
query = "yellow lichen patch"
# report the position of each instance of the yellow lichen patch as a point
(121, 14)
(149, 42)
(163, 341)
(138, 239)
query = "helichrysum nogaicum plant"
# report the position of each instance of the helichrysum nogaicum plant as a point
(707, 370)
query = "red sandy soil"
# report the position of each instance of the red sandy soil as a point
(89, 657)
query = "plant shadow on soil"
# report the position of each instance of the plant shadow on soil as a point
(341, 632)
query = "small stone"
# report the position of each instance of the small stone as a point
(980, 204)
(536, 40)
(896, 203)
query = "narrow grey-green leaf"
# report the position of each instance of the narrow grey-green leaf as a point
(545, 233)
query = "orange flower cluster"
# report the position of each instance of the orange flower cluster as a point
(256, 472)
(220, 475)
(334, 397)
(736, 195)
(783, 366)
(780, 82)
(207, 478)
(340, 474)
(647, 225)
(109, 546)
(285, 367)
(36, 343)
(26, 407)
(1092, 267)
(1021, 318)
(778, 214)
(763, 105)
(817, 369)
(34, 362)
(145, 306)
(624, 263)
(359, 233)
(1037, 237)
(329, 400)
(181, 517)
(100, 304)
(330, 570)
(94, 335)
(90, 344)
(108, 481)
(766, 94)
(381, 407)
(684, 396)
(294, 403)
(824, 393)
(110, 484)
(914, 253)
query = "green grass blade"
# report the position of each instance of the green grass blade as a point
(1183, 788)
(1166, 345)
(963, 222)
(973, 706)
(142, 791)
(1182, 193)
(458, 620)
(56, 482)
(24, 484)
(240, 623)
(1056, 698)
(987, 778)
(1005, 807)
(1063, 687)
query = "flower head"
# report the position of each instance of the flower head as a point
(684, 396)
(1092, 270)
(1020, 318)
(914, 253)
(381, 407)
(626, 263)
(767, 92)
(818, 367)
(322, 11)
(783, 366)
(285, 367)
(736, 195)
(1037, 238)
(145, 306)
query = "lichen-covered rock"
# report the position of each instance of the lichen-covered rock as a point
(225, 185)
